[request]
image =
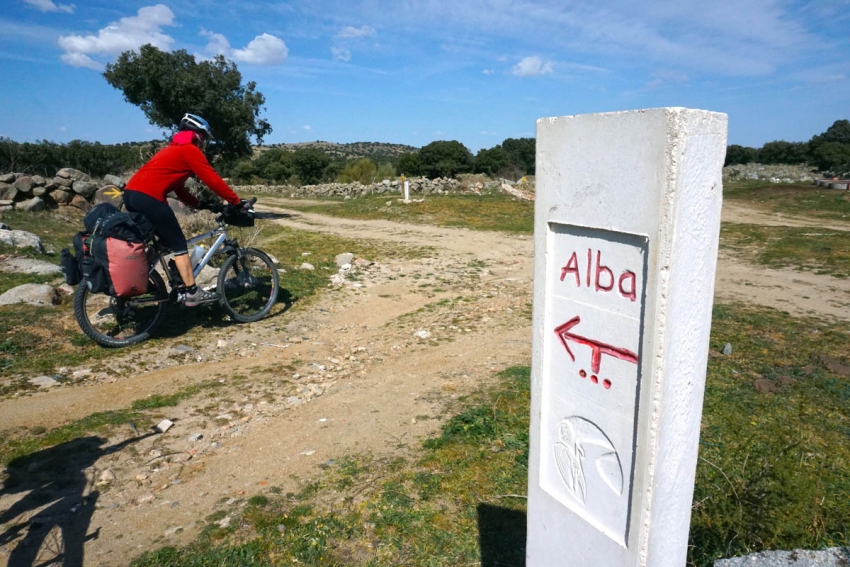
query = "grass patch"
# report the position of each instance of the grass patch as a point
(774, 470)
(488, 211)
(56, 228)
(155, 401)
(814, 201)
(816, 249)
(20, 446)
(38, 340)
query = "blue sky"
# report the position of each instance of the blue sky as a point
(415, 71)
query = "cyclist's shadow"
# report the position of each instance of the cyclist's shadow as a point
(49, 525)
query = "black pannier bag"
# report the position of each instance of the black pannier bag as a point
(113, 259)
(106, 220)
(70, 267)
(91, 272)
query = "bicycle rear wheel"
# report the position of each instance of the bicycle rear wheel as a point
(248, 283)
(114, 322)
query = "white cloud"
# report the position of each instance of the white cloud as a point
(350, 32)
(49, 6)
(123, 35)
(532, 66)
(308, 127)
(265, 49)
(341, 54)
(487, 71)
(80, 60)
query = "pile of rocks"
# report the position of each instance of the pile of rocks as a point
(70, 187)
(777, 173)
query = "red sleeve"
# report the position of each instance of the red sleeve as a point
(199, 165)
(186, 196)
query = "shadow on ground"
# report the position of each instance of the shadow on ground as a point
(49, 524)
(501, 533)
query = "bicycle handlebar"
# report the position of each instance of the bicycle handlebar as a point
(226, 209)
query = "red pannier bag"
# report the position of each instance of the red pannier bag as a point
(125, 263)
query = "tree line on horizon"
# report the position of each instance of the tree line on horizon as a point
(513, 158)
(828, 151)
(165, 85)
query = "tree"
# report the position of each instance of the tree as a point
(783, 152)
(409, 164)
(310, 164)
(445, 159)
(736, 154)
(833, 157)
(167, 85)
(522, 153)
(362, 170)
(492, 161)
(274, 165)
(838, 132)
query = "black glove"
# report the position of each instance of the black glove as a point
(204, 205)
(244, 204)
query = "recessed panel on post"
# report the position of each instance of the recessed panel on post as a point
(594, 323)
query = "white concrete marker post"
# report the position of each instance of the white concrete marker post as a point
(626, 227)
(406, 191)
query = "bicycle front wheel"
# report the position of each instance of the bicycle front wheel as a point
(114, 322)
(248, 283)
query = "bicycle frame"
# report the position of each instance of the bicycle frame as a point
(222, 236)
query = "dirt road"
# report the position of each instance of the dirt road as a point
(369, 367)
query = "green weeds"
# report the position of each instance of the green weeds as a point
(490, 211)
(816, 249)
(829, 204)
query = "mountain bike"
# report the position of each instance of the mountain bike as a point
(248, 282)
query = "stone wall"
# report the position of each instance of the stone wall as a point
(69, 187)
(778, 173)
(418, 185)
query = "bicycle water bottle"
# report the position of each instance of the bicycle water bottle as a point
(197, 254)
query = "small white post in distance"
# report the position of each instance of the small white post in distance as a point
(626, 227)
(406, 191)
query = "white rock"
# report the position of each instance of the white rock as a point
(32, 294)
(21, 239)
(107, 476)
(28, 266)
(307, 266)
(43, 382)
(164, 425)
(344, 258)
(423, 334)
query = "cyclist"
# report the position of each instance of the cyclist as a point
(167, 171)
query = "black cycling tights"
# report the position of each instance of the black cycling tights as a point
(161, 216)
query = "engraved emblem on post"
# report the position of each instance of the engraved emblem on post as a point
(573, 436)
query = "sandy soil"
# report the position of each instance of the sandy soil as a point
(368, 368)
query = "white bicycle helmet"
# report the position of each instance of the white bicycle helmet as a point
(196, 124)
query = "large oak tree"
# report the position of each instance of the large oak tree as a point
(166, 85)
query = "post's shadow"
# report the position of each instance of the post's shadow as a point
(501, 534)
(49, 525)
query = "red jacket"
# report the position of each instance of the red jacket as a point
(171, 166)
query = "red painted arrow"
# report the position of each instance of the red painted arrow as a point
(598, 348)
